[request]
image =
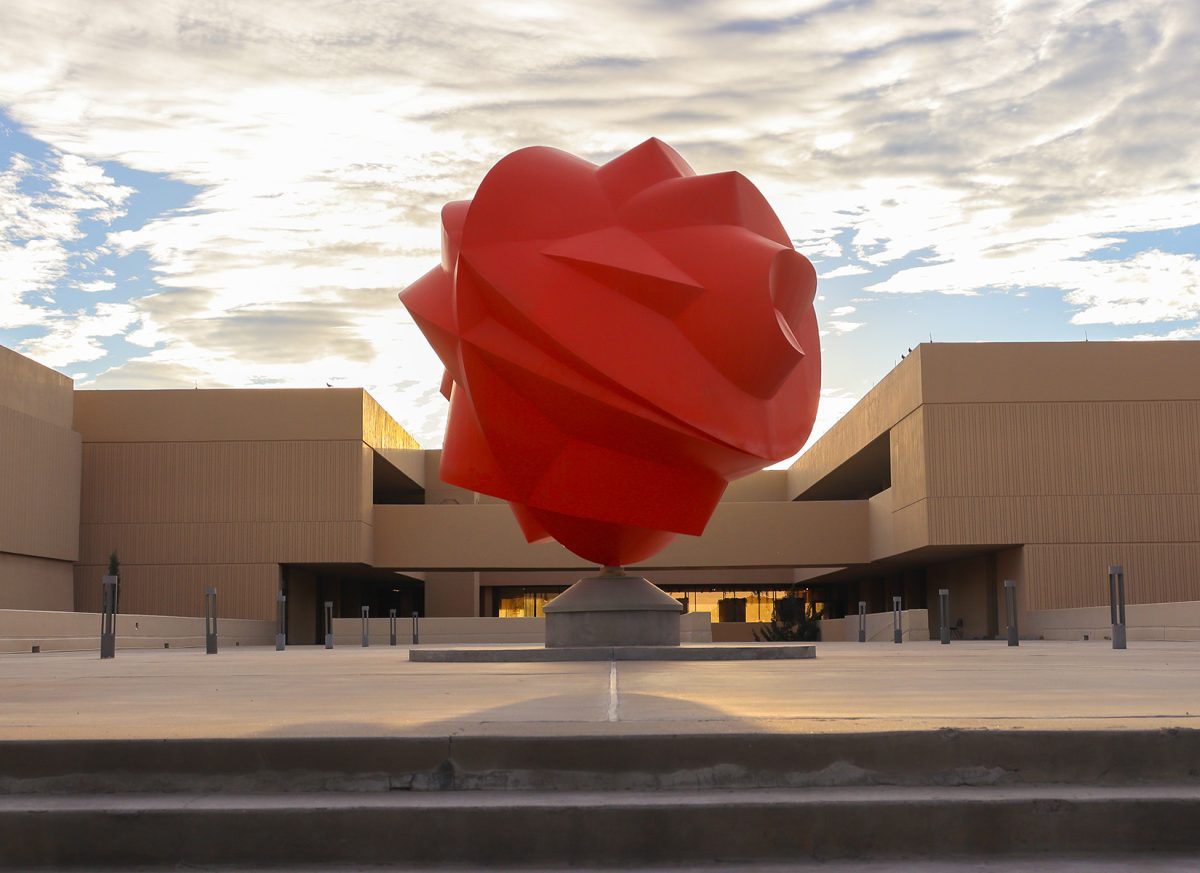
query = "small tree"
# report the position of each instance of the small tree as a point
(793, 620)
(114, 569)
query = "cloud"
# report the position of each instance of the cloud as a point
(1181, 333)
(43, 208)
(844, 271)
(98, 285)
(972, 146)
(839, 327)
(75, 339)
(1150, 286)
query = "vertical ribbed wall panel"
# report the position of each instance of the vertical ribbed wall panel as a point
(39, 487)
(285, 542)
(222, 481)
(909, 473)
(183, 515)
(1099, 518)
(1148, 447)
(243, 590)
(1082, 484)
(1075, 575)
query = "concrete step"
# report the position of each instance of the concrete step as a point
(1031, 864)
(603, 763)
(506, 829)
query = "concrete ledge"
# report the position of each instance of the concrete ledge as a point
(21, 629)
(979, 758)
(615, 653)
(628, 829)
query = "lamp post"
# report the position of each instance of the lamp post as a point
(210, 621)
(280, 621)
(108, 617)
(1116, 604)
(1010, 611)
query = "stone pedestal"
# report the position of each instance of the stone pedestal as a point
(612, 609)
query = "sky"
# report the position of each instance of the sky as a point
(220, 194)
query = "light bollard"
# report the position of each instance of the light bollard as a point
(1010, 611)
(280, 621)
(862, 621)
(366, 626)
(392, 626)
(210, 621)
(329, 624)
(944, 614)
(108, 617)
(897, 633)
(1116, 603)
(416, 638)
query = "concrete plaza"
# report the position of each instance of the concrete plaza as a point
(1070, 757)
(353, 692)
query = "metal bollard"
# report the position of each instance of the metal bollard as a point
(366, 626)
(862, 621)
(280, 621)
(897, 633)
(108, 617)
(329, 624)
(1010, 611)
(1116, 604)
(416, 638)
(392, 626)
(210, 621)
(944, 614)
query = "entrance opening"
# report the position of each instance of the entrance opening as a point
(349, 587)
(859, 477)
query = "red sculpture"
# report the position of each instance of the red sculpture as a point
(620, 341)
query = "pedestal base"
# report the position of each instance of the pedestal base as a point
(612, 610)
(512, 655)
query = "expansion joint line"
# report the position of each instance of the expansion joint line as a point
(612, 690)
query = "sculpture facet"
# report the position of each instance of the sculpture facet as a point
(620, 341)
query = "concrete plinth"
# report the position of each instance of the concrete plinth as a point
(757, 652)
(612, 610)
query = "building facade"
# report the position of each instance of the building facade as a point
(39, 486)
(967, 465)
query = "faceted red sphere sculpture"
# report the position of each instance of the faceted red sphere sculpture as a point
(620, 341)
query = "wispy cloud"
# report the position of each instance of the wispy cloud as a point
(961, 149)
(43, 207)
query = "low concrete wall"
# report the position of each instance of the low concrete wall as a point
(21, 629)
(1143, 621)
(736, 631)
(913, 624)
(914, 627)
(348, 631)
(694, 628)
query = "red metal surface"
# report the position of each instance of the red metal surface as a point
(620, 341)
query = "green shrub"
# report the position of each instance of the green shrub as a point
(793, 620)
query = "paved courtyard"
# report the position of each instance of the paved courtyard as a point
(308, 691)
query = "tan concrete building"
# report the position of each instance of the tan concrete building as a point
(966, 465)
(39, 486)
